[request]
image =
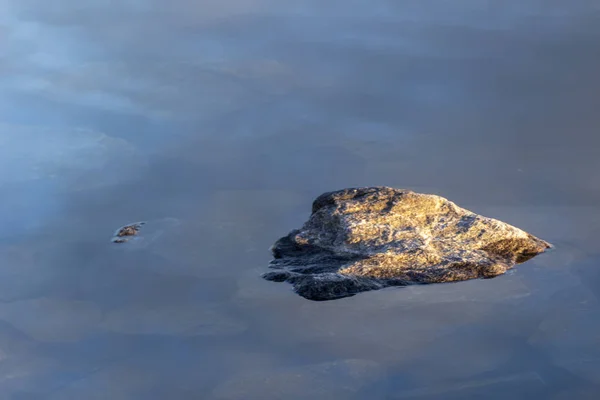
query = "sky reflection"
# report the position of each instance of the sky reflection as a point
(230, 117)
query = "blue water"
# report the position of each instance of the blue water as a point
(219, 122)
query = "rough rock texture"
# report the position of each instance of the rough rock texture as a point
(368, 238)
(139, 235)
(124, 233)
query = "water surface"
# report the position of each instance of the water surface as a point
(222, 121)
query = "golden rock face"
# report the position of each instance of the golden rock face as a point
(368, 238)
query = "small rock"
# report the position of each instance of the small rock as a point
(124, 233)
(159, 229)
(369, 238)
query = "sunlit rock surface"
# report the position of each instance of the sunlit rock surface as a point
(140, 234)
(369, 238)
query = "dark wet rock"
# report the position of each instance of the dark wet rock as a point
(369, 238)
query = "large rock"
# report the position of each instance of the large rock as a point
(369, 238)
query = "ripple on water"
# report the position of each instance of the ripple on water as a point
(341, 379)
(51, 319)
(179, 319)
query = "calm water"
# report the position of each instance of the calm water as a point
(221, 121)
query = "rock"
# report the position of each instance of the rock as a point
(369, 238)
(124, 233)
(153, 230)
